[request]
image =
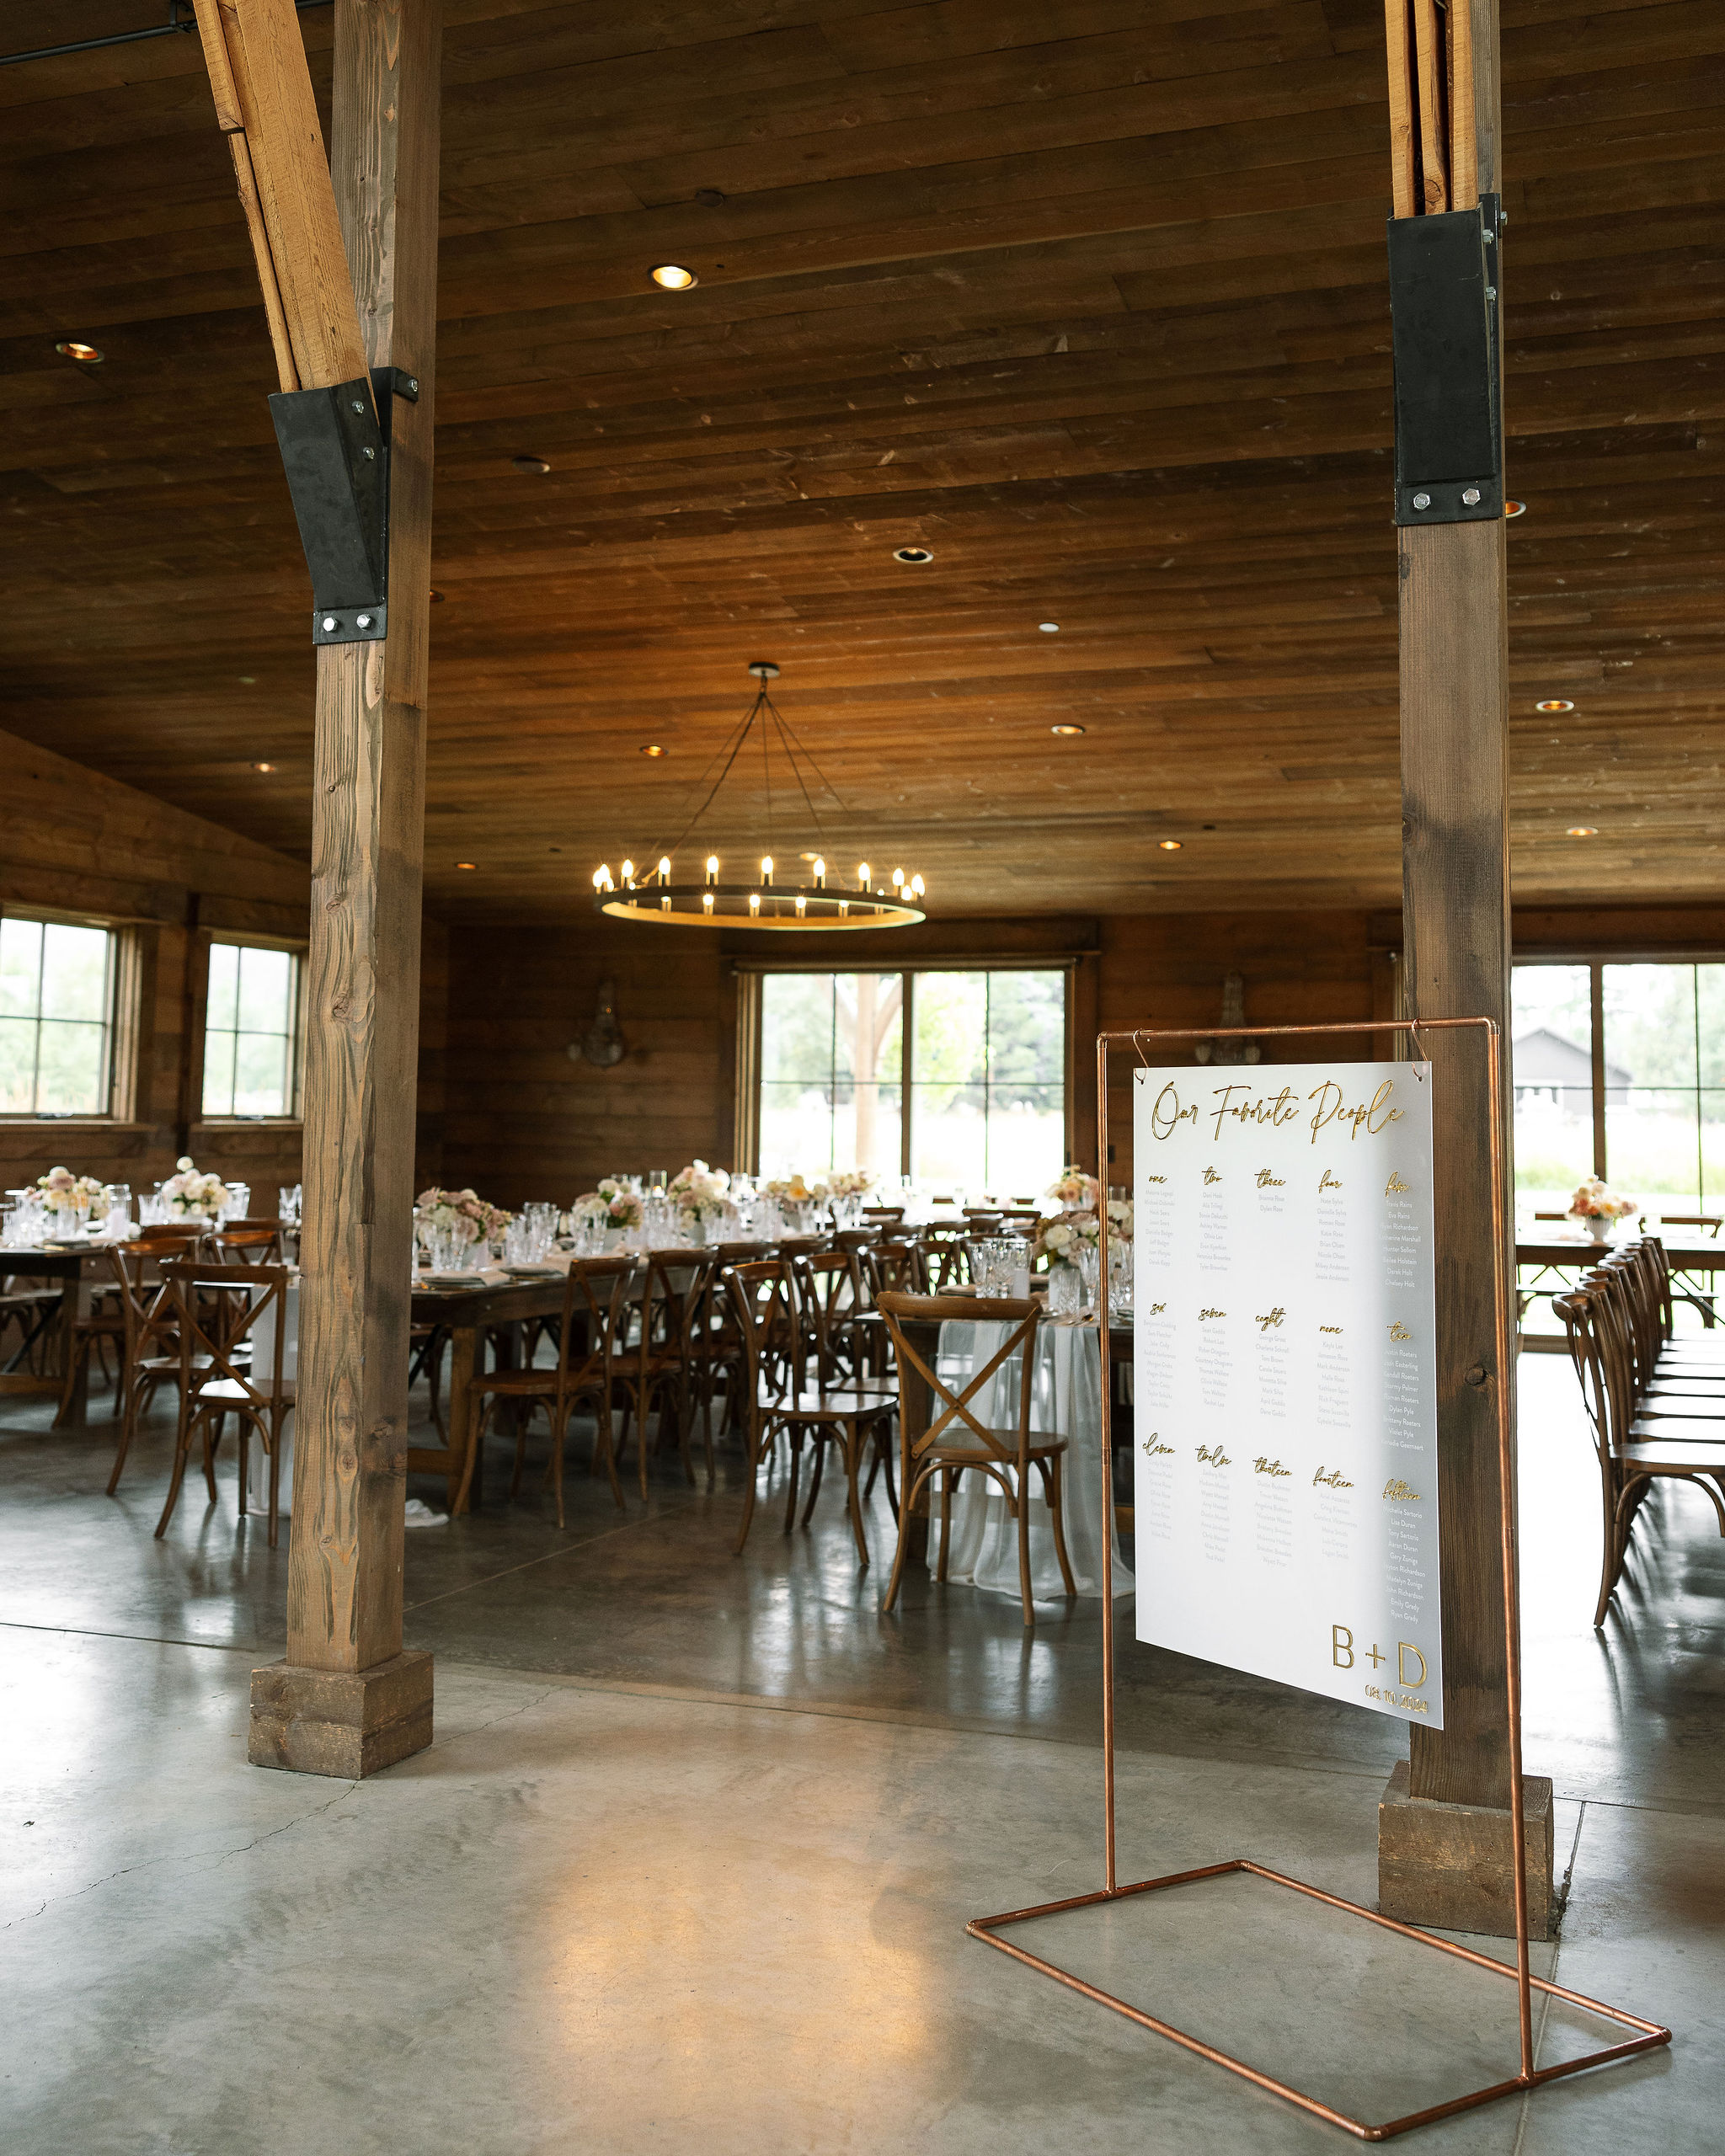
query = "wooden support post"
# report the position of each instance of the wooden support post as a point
(1443, 1826)
(347, 1700)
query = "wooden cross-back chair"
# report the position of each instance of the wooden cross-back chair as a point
(664, 1361)
(595, 1308)
(217, 1309)
(829, 1298)
(898, 1266)
(247, 1242)
(1633, 1450)
(1004, 1456)
(947, 1256)
(763, 1298)
(150, 1350)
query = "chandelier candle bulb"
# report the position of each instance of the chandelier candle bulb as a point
(712, 874)
(766, 868)
(899, 880)
(801, 906)
(707, 902)
(754, 902)
(628, 875)
(820, 875)
(918, 889)
(863, 875)
(664, 868)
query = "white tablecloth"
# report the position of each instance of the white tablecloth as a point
(1066, 1398)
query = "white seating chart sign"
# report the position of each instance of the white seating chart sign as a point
(1286, 1441)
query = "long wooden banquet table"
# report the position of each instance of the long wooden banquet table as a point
(468, 1315)
(1566, 1257)
(75, 1269)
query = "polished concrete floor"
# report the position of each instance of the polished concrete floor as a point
(689, 1863)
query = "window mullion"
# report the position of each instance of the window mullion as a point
(907, 1019)
(1596, 1021)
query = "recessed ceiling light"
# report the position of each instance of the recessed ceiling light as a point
(262, 767)
(1169, 846)
(466, 864)
(1050, 628)
(808, 857)
(1582, 831)
(249, 680)
(1206, 827)
(913, 556)
(87, 356)
(709, 198)
(672, 276)
(436, 597)
(652, 749)
(1554, 703)
(529, 464)
(1516, 509)
(1066, 730)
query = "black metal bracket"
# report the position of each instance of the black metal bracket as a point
(1448, 416)
(336, 451)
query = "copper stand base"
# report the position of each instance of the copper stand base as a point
(1652, 2034)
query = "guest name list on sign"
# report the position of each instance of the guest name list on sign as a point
(1286, 1417)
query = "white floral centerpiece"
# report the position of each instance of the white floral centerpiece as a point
(626, 1211)
(462, 1215)
(62, 1192)
(700, 1194)
(1121, 1218)
(1598, 1208)
(191, 1194)
(845, 1184)
(1061, 1241)
(789, 1190)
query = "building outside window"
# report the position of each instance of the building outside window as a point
(956, 1079)
(251, 1032)
(57, 1018)
(1646, 1111)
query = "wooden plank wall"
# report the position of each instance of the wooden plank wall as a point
(73, 840)
(522, 1120)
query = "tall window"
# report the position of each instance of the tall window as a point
(956, 1078)
(57, 1018)
(1647, 1110)
(252, 1031)
(832, 1072)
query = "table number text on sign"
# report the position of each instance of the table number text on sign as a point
(1286, 1417)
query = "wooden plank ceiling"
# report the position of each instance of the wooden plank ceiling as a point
(1099, 318)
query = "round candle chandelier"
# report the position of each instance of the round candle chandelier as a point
(769, 898)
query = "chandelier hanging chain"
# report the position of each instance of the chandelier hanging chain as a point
(766, 767)
(796, 773)
(793, 747)
(734, 744)
(798, 900)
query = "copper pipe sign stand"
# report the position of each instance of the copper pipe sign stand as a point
(1648, 2034)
